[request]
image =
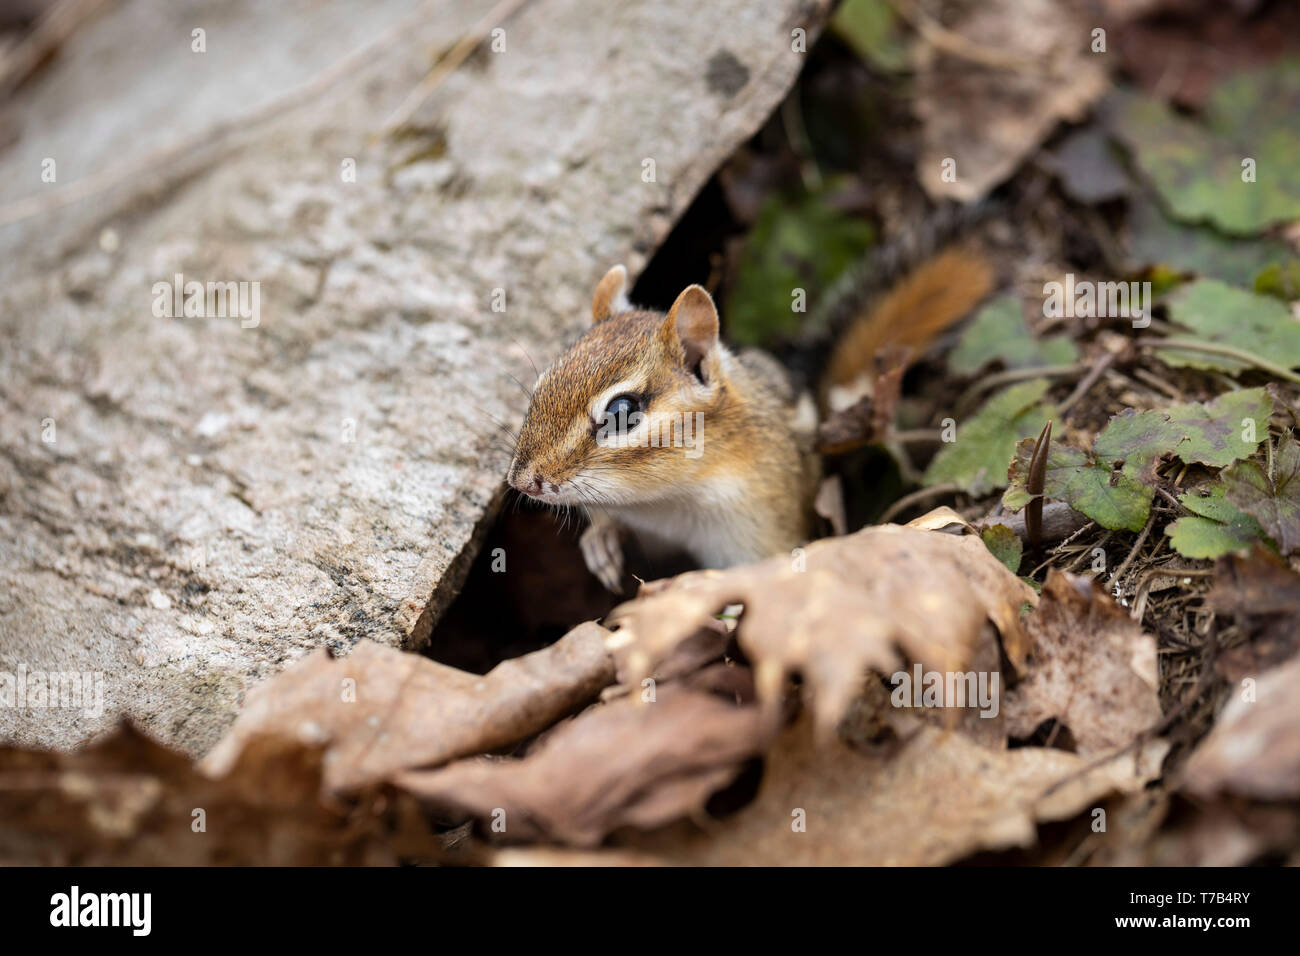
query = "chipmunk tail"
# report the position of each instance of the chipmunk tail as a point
(915, 310)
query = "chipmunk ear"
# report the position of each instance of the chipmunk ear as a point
(693, 322)
(611, 295)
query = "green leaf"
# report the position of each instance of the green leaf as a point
(1217, 312)
(1158, 240)
(1198, 167)
(999, 332)
(1274, 503)
(1280, 281)
(977, 460)
(873, 31)
(1004, 544)
(1214, 529)
(1114, 485)
(795, 244)
(1215, 433)
(1112, 498)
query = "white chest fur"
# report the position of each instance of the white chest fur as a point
(708, 524)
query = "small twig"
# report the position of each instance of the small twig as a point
(797, 133)
(954, 44)
(1137, 546)
(449, 63)
(918, 435)
(60, 21)
(1083, 554)
(1227, 351)
(1087, 382)
(905, 502)
(1015, 375)
(1059, 521)
(1105, 238)
(1173, 501)
(1082, 529)
(1159, 384)
(1168, 572)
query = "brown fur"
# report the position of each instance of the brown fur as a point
(746, 434)
(915, 311)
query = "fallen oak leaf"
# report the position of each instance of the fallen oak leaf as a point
(127, 800)
(402, 710)
(1091, 668)
(1253, 749)
(937, 798)
(841, 607)
(628, 763)
(550, 856)
(1006, 112)
(1263, 595)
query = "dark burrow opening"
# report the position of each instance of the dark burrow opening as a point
(528, 586)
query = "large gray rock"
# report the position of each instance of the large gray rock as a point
(187, 504)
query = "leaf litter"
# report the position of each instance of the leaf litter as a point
(754, 715)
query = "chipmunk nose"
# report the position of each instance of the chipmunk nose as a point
(529, 481)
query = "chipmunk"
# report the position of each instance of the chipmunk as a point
(650, 423)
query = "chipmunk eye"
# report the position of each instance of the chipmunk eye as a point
(619, 410)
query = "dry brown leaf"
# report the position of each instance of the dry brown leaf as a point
(559, 856)
(1091, 667)
(1180, 832)
(1254, 748)
(380, 710)
(626, 763)
(829, 504)
(942, 519)
(936, 799)
(869, 418)
(1004, 112)
(127, 800)
(1181, 58)
(845, 606)
(706, 645)
(1263, 594)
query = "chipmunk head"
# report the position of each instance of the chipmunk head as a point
(616, 419)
